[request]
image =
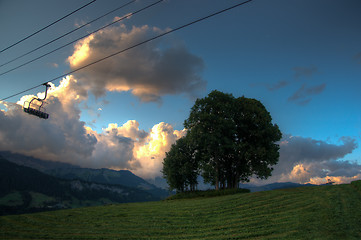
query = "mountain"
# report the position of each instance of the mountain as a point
(157, 187)
(72, 172)
(24, 189)
(108, 176)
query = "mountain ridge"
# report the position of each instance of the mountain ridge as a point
(72, 172)
(24, 190)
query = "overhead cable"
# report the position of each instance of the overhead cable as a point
(76, 29)
(47, 26)
(131, 47)
(115, 21)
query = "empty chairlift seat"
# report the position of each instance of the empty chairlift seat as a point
(35, 109)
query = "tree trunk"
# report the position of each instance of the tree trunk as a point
(217, 176)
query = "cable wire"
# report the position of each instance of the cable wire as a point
(118, 20)
(46, 26)
(131, 47)
(76, 29)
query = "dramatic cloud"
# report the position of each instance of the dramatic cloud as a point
(149, 71)
(303, 95)
(301, 72)
(305, 160)
(63, 137)
(127, 147)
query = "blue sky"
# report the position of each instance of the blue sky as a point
(301, 59)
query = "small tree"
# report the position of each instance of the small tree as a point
(180, 166)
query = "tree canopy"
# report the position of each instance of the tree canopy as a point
(228, 140)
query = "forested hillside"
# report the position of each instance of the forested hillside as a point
(23, 189)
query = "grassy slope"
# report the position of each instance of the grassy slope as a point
(321, 212)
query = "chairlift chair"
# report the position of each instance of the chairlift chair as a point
(36, 110)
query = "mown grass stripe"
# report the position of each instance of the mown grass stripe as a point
(325, 212)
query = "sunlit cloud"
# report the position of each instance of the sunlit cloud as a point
(65, 138)
(151, 154)
(306, 160)
(149, 71)
(81, 51)
(54, 65)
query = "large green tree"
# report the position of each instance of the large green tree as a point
(228, 140)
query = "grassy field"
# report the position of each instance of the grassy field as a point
(319, 212)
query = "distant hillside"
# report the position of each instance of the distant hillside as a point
(71, 172)
(108, 176)
(273, 186)
(156, 186)
(23, 189)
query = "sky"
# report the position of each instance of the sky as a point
(301, 59)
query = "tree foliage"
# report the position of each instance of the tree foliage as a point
(180, 166)
(229, 140)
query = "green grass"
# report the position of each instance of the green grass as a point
(320, 212)
(206, 194)
(11, 199)
(40, 200)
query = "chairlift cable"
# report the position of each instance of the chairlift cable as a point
(115, 21)
(42, 29)
(136, 45)
(76, 29)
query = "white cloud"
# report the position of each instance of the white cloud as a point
(61, 137)
(65, 138)
(148, 71)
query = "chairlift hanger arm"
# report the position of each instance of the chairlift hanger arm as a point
(47, 85)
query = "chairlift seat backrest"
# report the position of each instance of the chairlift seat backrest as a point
(30, 110)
